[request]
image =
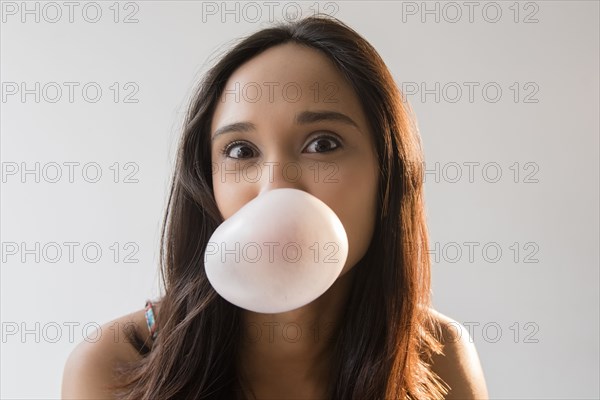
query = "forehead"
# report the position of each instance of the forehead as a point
(282, 81)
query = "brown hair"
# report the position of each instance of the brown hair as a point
(387, 336)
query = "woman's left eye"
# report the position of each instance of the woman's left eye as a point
(322, 144)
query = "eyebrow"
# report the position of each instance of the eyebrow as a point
(304, 118)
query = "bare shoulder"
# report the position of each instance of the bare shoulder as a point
(89, 369)
(459, 366)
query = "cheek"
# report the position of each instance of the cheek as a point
(229, 196)
(359, 222)
(355, 203)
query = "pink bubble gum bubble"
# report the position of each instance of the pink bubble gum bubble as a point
(278, 252)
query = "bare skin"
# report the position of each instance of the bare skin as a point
(288, 354)
(89, 368)
(276, 361)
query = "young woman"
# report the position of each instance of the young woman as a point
(321, 96)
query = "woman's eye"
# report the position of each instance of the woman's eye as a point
(241, 150)
(323, 144)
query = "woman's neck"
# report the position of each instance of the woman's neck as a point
(289, 355)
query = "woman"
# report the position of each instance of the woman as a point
(316, 94)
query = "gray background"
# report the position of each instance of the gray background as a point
(533, 307)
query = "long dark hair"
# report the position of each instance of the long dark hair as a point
(387, 336)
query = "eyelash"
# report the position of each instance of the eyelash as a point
(225, 150)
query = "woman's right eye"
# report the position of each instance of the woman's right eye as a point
(242, 150)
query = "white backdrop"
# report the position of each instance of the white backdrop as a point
(507, 99)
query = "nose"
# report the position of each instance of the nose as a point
(282, 174)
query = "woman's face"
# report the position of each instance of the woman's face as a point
(296, 123)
